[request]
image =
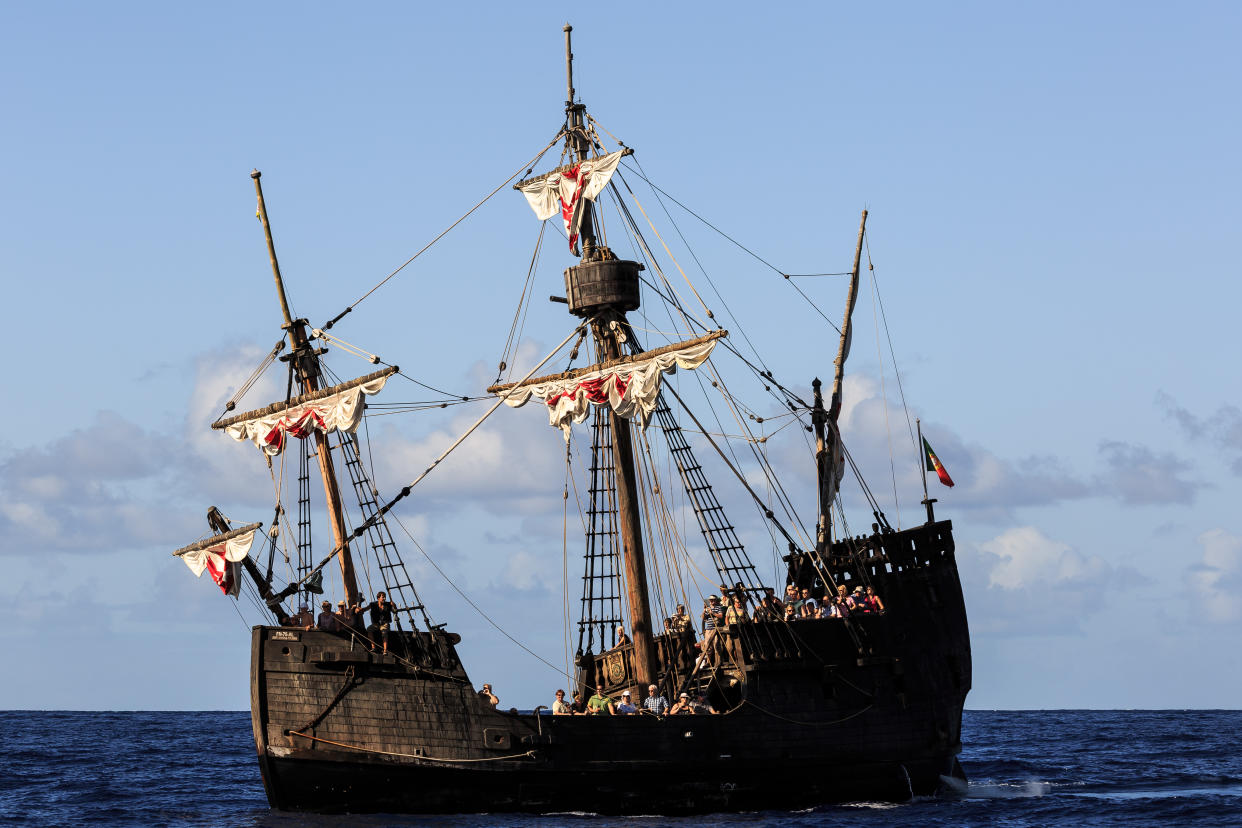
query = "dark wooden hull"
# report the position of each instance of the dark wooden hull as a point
(818, 713)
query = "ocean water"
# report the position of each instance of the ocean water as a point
(1031, 768)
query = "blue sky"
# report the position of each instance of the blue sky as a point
(1054, 222)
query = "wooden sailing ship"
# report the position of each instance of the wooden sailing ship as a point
(811, 710)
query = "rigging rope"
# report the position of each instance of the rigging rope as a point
(734, 323)
(405, 492)
(888, 335)
(888, 429)
(254, 376)
(475, 606)
(328, 325)
(519, 316)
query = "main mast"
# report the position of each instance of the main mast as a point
(304, 360)
(602, 288)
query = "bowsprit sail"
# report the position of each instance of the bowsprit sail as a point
(221, 556)
(804, 686)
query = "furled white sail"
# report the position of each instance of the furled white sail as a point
(339, 411)
(566, 192)
(836, 462)
(630, 387)
(220, 557)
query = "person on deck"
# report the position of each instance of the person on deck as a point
(791, 597)
(681, 621)
(713, 619)
(873, 602)
(343, 623)
(855, 600)
(683, 706)
(736, 613)
(600, 705)
(327, 619)
(381, 619)
(486, 693)
(304, 618)
(655, 703)
(810, 607)
(774, 602)
(843, 601)
(578, 706)
(622, 638)
(560, 707)
(626, 707)
(700, 706)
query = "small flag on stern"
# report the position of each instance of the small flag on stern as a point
(934, 464)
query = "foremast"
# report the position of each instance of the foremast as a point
(304, 362)
(612, 288)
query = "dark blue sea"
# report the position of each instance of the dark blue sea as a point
(1064, 767)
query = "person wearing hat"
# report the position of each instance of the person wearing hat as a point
(682, 708)
(342, 617)
(713, 619)
(855, 600)
(626, 707)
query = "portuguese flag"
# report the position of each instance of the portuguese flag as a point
(934, 464)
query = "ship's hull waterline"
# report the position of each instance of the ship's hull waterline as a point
(339, 729)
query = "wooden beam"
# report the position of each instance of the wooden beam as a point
(611, 363)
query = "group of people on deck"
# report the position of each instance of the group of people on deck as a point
(655, 704)
(798, 604)
(350, 619)
(801, 604)
(601, 704)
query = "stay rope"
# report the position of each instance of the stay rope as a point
(527, 167)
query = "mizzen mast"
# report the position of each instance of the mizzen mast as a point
(602, 288)
(304, 360)
(828, 461)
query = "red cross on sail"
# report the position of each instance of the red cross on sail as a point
(630, 385)
(565, 192)
(220, 557)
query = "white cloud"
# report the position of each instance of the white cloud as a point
(1023, 582)
(1215, 582)
(1029, 559)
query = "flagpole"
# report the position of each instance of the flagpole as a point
(927, 500)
